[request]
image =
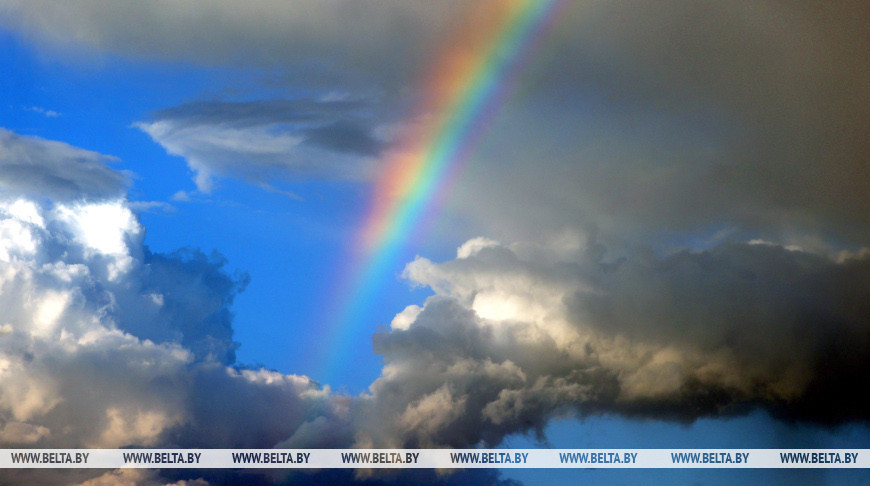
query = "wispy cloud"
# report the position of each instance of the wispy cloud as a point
(44, 112)
(265, 141)
(150, 206)
(40, 167)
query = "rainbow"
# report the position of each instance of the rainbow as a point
(471, 80)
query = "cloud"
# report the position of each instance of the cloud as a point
(511, 340)
(151, 332)
(181, 196)
(115, 349)
(153, 206)
(650, 121)
(104, 343)
(657, 122)
(22, 433)
(261, 141)
(347, 40)
(137, 477)
(44, 112)
(45, 168)
(107, 344)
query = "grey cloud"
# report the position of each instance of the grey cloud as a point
(84, 477)
(259, 112)
(190, 297)
(382, 44)
(344, 137)
(511, 341)
(264, 141)
(514, 336)
(266, 408)
(657, 120)
(795, 324)
(47, 168)
(647, 119)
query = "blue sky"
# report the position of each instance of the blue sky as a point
(98, 102)
(659, 240)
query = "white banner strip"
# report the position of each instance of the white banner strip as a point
(434, 458)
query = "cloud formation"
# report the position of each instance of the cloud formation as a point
(376, 41)
(658, 121)
(45, 168)
(263, 141)
(150, 332)
(511, 340)
(104, 343)
(652, 122)
(646, 119)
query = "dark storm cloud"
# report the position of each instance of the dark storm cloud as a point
(796, 325)
(652, 119)
(510, 342)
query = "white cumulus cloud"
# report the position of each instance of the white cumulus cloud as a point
(107, 344)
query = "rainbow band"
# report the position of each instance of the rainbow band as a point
(466, 89)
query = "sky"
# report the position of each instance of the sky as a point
(501, 223)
